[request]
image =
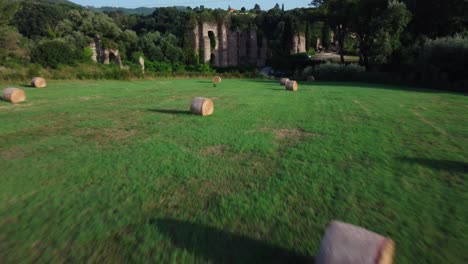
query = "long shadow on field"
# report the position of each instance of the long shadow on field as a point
(277, 89)
(446, 165)
(222, 247)
(378, 86)
(170, 111)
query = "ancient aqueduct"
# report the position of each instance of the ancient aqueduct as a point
(231, 49)
(234, 47)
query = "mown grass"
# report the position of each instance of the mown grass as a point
(121, 172)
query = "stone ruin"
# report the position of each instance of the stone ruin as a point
(102, 55)
(298, 44)
(234, 47)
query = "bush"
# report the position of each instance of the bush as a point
(335, 72)
(87, 54)
(204, 68)
(53, 53)
(158, 67)
(444, 60)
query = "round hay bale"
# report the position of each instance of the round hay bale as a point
(310, 78)
(291, 86)
(216, 79)
(38, 82)
(202, 106)
(14, 95)
(346, 243)
(283, 81)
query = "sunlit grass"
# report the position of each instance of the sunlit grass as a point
(121, 171)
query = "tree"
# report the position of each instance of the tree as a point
(162, 48)
(277, 6)
(37, 19)
(436, 18)
(316, 3)
(341, 14)
(53, 53)
(378, 26)
(9, 48)
(257, 8)
(166, 20)
(8, 10)
(128, 41)
(91, 25)
(243, 9)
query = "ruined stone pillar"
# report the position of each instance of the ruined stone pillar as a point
(223, 45)
(298, 43)
(92, 46)
(253, 50)
(302, 43)
(263, 53)
(206, 49)
(192, 35)
(233, 48)
(106, 57)
(142, 64)
(264, 49)
(242, 47)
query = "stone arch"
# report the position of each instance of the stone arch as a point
(213, 42)
(113, 58)
(213, 59)
(209, 36)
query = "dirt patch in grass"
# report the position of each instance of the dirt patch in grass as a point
(16, 106)
(290, 134)
(105, 135)
(219, 186)
(213, 150)
(12, 153)
(178, 97)
(87, 98)
(8, 220)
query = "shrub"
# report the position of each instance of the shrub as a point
(158, 67)
(87, 54)
(204, 68)
(136, 56)
(335, 72)
(53, 53)
(444, 60)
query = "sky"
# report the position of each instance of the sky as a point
(237, 4)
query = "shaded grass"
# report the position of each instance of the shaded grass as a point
(119, 171)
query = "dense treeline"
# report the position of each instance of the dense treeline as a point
(418, 41)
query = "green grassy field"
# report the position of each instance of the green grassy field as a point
(111, 172)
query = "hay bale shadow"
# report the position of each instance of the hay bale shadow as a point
(277, 89)
(444, 165)
(170, 111)
(219, 246)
